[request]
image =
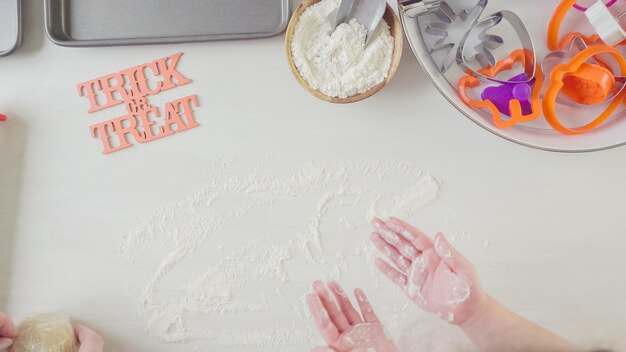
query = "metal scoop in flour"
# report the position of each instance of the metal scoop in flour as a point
(367, 12)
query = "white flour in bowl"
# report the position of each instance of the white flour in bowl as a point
(338, 63)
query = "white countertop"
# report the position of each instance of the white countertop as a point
(545, 230)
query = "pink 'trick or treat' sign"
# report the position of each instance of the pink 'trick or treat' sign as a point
(131, 87)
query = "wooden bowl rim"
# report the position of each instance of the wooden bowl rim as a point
(398, 41)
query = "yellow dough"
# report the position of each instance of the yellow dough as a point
(45, 333)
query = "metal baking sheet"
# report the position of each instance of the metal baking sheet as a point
(84, 23)
(10, 26)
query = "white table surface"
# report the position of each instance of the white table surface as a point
(546, 230)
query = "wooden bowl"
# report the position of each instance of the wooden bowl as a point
(396, 31)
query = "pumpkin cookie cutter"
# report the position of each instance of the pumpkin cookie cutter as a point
(577, 65)
(592, 83)
(516, 111)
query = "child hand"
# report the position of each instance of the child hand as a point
(8, 332)
(89, 340)
(341, 326)
(433, 275)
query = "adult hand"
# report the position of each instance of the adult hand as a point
(434, 275)
(8, 332)
(89, 340)
(341, 326)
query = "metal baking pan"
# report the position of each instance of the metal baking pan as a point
(10, 26)
(86, 23)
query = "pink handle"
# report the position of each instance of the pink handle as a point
(3, 117)
(583, 9)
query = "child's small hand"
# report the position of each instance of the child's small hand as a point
(341, 326)
(433, 275)
(8, 332)
(90, 341)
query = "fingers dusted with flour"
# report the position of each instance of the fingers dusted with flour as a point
(438, 279)
(335, 314)
(411, 233)
(363, 332)
(390, 252)
(391, 273)
(344, 304)
(403, 245)
(366, 308)
(327, 328)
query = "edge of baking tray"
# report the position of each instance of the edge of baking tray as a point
(18, 38)
(460, 106)
(49, 24)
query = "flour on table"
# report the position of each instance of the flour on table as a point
(228, 260)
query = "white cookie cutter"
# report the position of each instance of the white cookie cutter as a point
(606, 25)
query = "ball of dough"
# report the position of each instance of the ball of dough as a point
(48, 332)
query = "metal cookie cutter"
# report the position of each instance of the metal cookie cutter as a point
(478, 42)
(467, 39)
(592, 83)
(606, 25)
(414, 8)
(453, 28)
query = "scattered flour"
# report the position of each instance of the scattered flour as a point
(338, 63)
(227, 258)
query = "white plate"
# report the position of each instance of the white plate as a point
(536, 134)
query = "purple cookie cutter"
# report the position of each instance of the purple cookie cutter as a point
(518, 87)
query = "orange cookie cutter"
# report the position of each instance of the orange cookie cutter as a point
(582, 76)
(470, 81)
(589, 85)
(593, 83)
(554, 28)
